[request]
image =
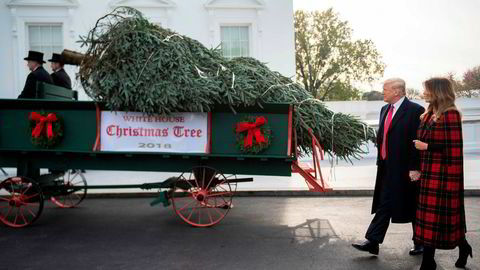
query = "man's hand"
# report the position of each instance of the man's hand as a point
(414, 175)
(420, 145)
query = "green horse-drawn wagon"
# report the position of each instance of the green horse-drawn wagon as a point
(208, 150)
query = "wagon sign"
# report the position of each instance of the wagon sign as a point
(138, 132)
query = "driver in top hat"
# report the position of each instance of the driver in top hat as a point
(59, 76)
(37, 74)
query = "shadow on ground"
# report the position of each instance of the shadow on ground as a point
(259, 233)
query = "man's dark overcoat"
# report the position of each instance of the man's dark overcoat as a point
(402, 158)
(30, 88)
(61, 78)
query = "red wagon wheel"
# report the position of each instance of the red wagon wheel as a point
(202, 197)
(21, 201)
(75, 189)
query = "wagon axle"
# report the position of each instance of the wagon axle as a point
(17, 201)
(200, 196)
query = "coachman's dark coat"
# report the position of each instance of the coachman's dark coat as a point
(30, 88)
(440, 218)
(61, 78)
(402, 158)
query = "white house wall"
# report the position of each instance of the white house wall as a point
(6, 51)
(270, 21)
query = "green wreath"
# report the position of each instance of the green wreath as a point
(46, 129)
(248, 133)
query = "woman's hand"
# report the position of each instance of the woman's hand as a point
(414, 175)
(420, 145)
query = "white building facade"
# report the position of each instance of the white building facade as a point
(262, 29)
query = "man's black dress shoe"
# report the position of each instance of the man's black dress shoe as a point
(367, 246)
(416, 250)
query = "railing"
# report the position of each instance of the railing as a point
(471, 137)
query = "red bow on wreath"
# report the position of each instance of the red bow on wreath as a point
(41, 120)
(253, 130)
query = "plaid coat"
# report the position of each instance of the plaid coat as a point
(440, 215)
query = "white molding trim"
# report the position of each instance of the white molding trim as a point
(143, 3)
(228, 4)
(42, 3)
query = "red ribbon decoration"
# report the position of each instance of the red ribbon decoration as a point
(41, 120)
(253, 130)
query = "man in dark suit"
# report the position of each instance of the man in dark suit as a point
(398, 164)
(59, 76)
(37, 74)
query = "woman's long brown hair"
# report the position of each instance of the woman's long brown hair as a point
(443, 96)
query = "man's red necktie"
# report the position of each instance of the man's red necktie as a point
(386, 125)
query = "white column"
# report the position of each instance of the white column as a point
(15, 56)
(168, 20)
(71, 27)
(259, 36)
(211, 28)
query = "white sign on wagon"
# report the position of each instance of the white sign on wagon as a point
(138, 132)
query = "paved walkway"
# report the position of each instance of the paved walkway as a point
(278, 233)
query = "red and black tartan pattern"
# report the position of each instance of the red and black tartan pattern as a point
(440, 216)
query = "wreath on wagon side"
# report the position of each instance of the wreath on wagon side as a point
(46, 129)
(253, 134)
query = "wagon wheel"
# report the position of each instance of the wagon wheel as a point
(73, 191)
(202, 197)
(21, 201)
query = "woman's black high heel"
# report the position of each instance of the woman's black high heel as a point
(464, 250)
(428, 260)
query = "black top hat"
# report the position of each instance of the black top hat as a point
(35, 56)
(57, 58)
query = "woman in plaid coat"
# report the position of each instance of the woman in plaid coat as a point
(440, 217)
